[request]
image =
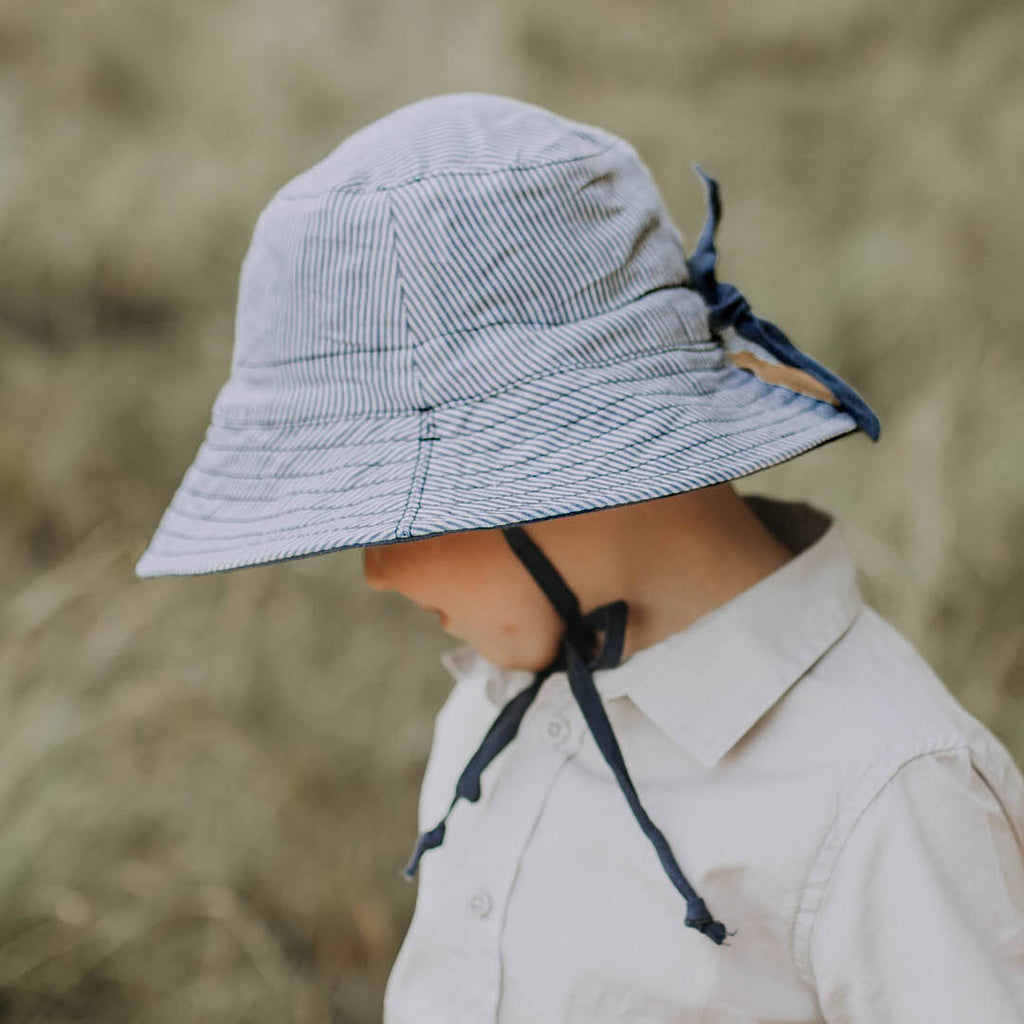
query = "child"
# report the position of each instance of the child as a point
(684, 774)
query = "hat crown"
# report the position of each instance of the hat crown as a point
(457, 133)
(444, 253)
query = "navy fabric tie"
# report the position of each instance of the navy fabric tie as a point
(579, 656)
(726, 307)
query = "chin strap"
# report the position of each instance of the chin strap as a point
(579, 655)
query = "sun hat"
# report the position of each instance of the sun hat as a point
(475, 313)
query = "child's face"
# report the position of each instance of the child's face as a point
(479, 589)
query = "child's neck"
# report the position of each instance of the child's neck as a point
(672, 560)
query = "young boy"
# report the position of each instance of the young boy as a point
(684, 774)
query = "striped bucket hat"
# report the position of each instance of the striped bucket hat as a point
(475, 313)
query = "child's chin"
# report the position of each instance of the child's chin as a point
(513, 663)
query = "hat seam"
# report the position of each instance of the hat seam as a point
(453, 436)
(342, 443)
(463, 486)
(320, 531)
(786, 393)
(303, 476)
(711, 338)
(209, 495)
(643, 440)
(361, 187)
(695, 395)
(647, 439)
(485, 451)
(425, 409)
(419, 475)
(230, 424)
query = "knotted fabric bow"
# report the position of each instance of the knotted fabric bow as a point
(726, 307)
(578, 658)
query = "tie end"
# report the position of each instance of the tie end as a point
(715, 931)
(428, 841)
(698, 916)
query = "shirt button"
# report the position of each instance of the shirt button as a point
(558, 729)
(480, 903)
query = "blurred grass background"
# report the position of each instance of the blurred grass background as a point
(208, 786)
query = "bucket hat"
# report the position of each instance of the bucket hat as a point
(475, 313)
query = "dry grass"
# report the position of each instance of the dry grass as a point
(208, 786)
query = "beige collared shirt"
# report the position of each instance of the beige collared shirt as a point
(826, 796)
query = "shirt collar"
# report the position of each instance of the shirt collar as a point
(706, 686)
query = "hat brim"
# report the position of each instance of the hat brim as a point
(577, 441)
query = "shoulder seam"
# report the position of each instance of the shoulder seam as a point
(872, 781)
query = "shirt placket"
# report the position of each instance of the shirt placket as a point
(485, 844)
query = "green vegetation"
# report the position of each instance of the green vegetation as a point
(208, 786)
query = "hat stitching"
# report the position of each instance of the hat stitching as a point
(315, 532)
(711, 478)
(709, 438)
(353, 500)
(566, 466)
(563, 368)
(341, 443)
(731, 380)
(596, 413)
(255, 498)
(454, 435)
(419, 477)
(236, 424)
(419, 471)
(354, 524)
(302, 476)
(691, 343)
(360, 187)
(351, 491)
(468, 456)
(481, 452)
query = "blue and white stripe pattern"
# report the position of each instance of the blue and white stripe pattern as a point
(473, 313)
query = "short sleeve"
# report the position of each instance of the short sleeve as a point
(923, 916)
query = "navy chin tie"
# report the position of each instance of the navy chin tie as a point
(579, 655)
